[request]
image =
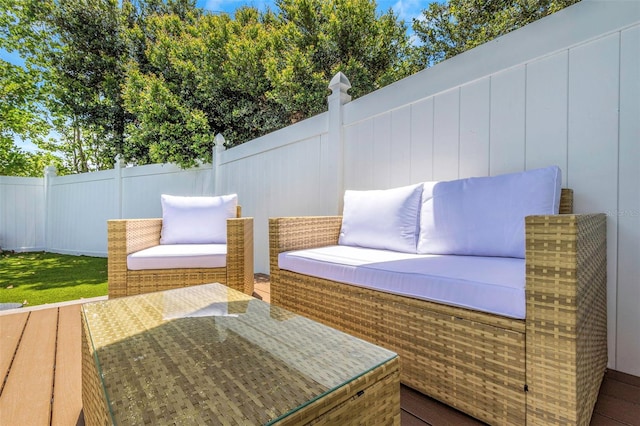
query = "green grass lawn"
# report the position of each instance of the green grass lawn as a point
(39, 277)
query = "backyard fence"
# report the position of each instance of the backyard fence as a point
(563, 91)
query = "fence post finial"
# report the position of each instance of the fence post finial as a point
(339, 86)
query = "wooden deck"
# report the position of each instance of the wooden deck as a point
(40, 366)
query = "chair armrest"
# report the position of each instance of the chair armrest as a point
(240, 254)
(566, 324)
(126, 236)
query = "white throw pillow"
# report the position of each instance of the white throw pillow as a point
(485, 216)
(382, 219)
(196, 220)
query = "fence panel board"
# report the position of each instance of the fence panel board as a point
(78, 209)
(628, 211)
(359, 167)
(594, 78)
(475, 105)
(22, 210)
(446, 135)
(422, 141)
(507, 121)
(400, 141)
(546, 109)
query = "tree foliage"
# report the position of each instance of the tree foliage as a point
(450, 28)
(255, 73)
(155, 80)
(206, 71)
(22, 113)
(87, 68)
(319, 38)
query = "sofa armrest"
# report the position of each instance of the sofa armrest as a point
(566, 324)
(240, 254)
(297, 233)
(126, 236)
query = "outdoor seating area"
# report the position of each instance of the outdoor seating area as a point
(458, 246)
(542, 363)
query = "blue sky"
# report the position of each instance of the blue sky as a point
(405, 9)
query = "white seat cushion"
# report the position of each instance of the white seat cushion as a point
(487, 284)
(178, 256)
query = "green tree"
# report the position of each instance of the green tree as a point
(87, 69)
(70, 76)
(318, 38)
(162, 92)
(450, 28)
(166, 129)
(255, 73)
(22, 111)
(240, 106)
(206, 69)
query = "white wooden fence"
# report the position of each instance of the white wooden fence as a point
(564, 90)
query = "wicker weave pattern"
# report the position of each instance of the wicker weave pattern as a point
(372, 399)
(566, 310)
(297, 233)
(478, 362)
(162, 362)
(126, 236)
(93, 398)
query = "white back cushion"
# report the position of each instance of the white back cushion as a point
(383, 219)
(196, 220)
(485, 216)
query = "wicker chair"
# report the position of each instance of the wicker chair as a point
(545, 369)
(126, 236)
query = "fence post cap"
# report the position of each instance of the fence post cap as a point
(50, 170)
(340, 81)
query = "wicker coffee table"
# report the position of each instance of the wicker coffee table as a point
(211, 355)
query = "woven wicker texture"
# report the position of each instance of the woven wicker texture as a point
(477, 362)
(566, 310)
(211, 355)
(126, 236)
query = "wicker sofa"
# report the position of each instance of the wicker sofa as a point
(544, 369)
(126, 236)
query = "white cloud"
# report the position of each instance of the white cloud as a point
(409, 9)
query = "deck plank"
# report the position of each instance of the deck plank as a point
(620, 390)
(67, 386)
(433, 412)
(617, 402)
(26, 398)
(617, 409)
(600, 420)
(11, 327)
(623, 377)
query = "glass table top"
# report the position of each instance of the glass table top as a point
(206, 353)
